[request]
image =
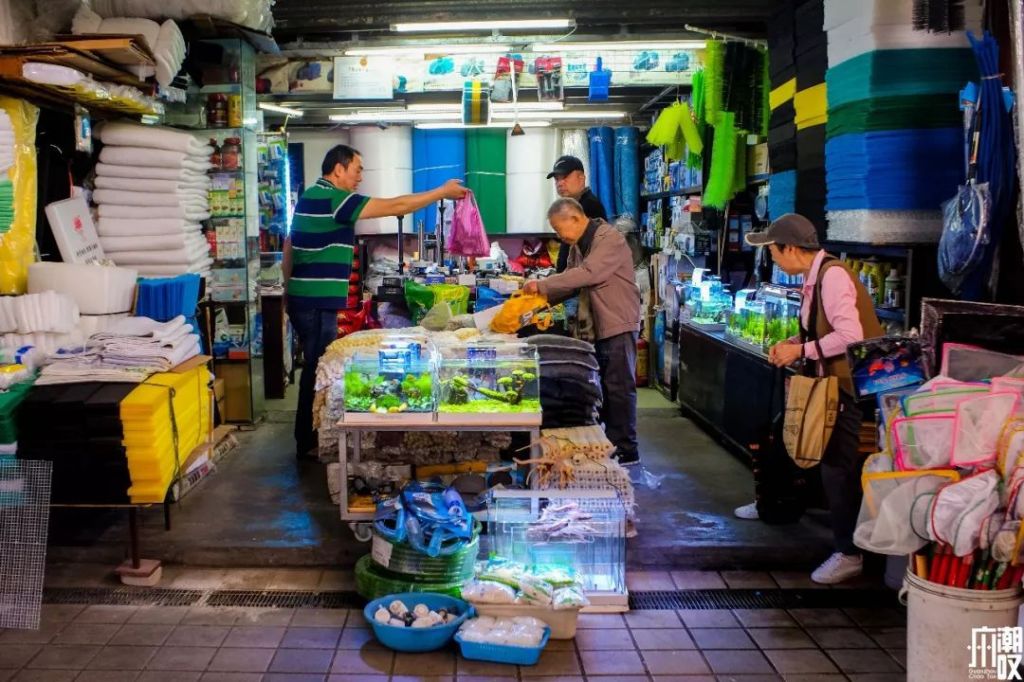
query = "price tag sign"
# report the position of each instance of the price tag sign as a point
(380, 551)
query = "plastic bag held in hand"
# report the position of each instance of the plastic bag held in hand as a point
(468, 236)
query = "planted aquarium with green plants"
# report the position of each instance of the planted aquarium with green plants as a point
(752, 324)
(782, 313)
(489, 379)
(392, 381)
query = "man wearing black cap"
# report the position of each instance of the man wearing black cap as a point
(836, 311)
(571, 183)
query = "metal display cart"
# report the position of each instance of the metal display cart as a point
(358, 423)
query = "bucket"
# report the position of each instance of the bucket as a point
(940, 621)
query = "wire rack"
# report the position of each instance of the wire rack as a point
(24, 519)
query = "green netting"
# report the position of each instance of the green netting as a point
(372, 583)
(895, 113)
(485, 176)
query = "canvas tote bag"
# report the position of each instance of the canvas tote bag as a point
(812, 406)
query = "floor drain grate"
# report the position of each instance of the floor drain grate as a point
(761, 599)
(285, 600)
(121, 596)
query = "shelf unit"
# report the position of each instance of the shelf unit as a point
(233, 231)
(681, 192)
(274, 190)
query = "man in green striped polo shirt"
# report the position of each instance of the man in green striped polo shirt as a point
(318, 262)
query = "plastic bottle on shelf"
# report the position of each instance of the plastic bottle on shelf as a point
(893, 289)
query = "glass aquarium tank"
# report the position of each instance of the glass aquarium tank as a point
(491, 379)
(581, 532)
(707, 302)
(782, 313)
(751, 326)
(400, 377)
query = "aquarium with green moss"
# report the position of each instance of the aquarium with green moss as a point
(489, 379)
(391, 382)
(751, 328)
(782, 314)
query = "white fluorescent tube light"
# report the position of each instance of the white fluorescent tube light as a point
(498, 25)
(577, 115)
(396, 116)
(281, 110)
(509, 124)
(487, 48)
(495, 106)
(621, 46)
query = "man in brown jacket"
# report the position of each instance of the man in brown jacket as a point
(600, 268)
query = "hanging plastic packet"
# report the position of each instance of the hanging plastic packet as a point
(550, 87)
(476, 103)
(600, 81)
(501, 90)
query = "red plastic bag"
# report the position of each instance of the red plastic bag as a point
(468, 236)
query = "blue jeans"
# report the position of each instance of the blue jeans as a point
(316, 330)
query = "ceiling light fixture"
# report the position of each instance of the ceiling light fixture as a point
(396, 116)
(562, 115)
(497, 25)
(495, 106)
(446, 126)
(277, 108)
(619, 46)
(486, 48)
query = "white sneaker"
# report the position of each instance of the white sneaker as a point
(838, 568)
(747, 512)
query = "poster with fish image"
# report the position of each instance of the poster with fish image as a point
(885, 364)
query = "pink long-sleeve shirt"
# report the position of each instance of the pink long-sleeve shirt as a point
(839, 299)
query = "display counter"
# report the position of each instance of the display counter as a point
(728, 387)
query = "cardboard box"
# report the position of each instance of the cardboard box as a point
(237, 401)
(757, 160)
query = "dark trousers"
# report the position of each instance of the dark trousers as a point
(617, 358)
(840, 474)
(316, 330)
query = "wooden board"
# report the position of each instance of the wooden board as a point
(55, 53)
(120, 49)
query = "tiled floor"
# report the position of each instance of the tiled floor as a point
(188, 644)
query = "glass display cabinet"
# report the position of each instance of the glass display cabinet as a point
(582, 532)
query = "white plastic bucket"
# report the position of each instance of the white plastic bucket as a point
(940, 621)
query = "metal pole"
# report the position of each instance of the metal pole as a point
(133, 532)
(439, 237)
(401, 247)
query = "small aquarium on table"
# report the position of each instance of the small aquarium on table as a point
(492, 383)
(399, 378)
(708, 303)
(782, 313)
(579, 532)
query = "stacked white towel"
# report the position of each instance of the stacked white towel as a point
(152, 190)
(142, 342)
(46, 312)
(129, 349)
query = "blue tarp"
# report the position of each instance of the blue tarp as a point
(627, 173)
(602, 165)
(437, 156)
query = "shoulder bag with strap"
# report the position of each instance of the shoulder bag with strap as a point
(813, 403)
